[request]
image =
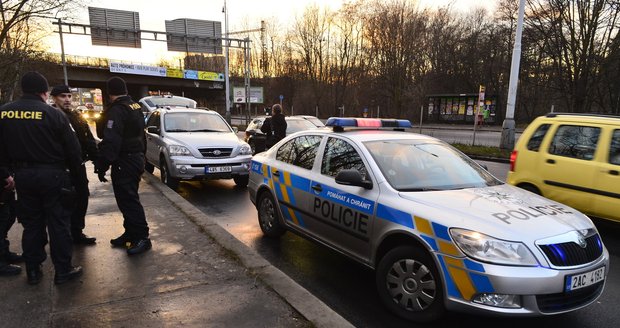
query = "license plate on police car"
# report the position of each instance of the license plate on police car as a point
(581, 280)
(218, 169)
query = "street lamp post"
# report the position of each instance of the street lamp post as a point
(226, 72)
(508, 127)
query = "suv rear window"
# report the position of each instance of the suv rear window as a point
(575, 141)
(534, 143)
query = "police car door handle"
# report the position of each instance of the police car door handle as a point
(317, 188)
(551, 161)
(276, 173)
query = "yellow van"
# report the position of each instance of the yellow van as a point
(573, 159)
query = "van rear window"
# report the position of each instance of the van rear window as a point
(534, 143)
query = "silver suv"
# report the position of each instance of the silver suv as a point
(194, 144)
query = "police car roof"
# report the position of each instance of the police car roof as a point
(361, 135)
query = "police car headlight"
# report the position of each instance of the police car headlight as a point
(489, 249)
(175, 150)
(245, 150)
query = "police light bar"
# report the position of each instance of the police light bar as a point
(352, 122)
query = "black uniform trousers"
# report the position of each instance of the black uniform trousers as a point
(81, 203)
(40, 200)
(126, 173)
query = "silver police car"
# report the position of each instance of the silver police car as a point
(438, 229)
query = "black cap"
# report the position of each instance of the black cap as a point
(60, 89)
(116, 86)
(34, 83)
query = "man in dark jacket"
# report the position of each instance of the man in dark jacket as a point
(61, 95)
(274, 127)
(37, 143)
(121, 128)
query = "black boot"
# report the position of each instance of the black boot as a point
(82, 239)
(9, 269)
(121, 241)
(72, 273)
(14, 258)
(139, 246)
(34, 273)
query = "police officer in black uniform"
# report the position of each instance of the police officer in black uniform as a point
(121, 128)
(37, 142)
(7, 195)
(61, 95)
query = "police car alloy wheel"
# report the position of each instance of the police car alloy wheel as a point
(268, 216)
(409, 284)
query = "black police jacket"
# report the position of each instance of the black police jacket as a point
(34, 133)
(121, 127)
(82, 131)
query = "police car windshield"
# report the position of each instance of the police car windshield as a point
(411, 165)
(194, 122)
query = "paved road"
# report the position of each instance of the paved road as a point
(348, 287)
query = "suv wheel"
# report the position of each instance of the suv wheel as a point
(241, 180)
(171, 182)
(269, 217)
(409, 284)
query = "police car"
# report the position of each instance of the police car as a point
(438, 229)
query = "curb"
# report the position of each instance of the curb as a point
(308, 305)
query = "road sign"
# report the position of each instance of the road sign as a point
(281, 97)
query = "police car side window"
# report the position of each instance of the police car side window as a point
(534, 143)
(614, 148)
(575, 141)
(300, 151)
(340, 155)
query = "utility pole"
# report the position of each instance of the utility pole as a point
(226, 72)
(508, 127)
(62, 52)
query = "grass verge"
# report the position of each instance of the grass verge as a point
(483, 151)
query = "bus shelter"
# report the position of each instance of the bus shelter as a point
(460, 108)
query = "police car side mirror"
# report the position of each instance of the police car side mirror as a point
(352, 178)
(152, 129)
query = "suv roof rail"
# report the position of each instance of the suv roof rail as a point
(582, 114)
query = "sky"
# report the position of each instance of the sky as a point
(154, 13)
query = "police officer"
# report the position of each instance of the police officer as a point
(36, 140)
(7, 184)
(121, 128)
(61, 95)
(274, 127)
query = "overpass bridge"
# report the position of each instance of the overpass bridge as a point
(93, 72)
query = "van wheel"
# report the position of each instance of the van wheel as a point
(409, 284)
(148, 167)
(171, 182)
(269, 216)
(530, 188)
(241, 180)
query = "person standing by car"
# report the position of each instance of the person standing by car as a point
(61, 95)
(274, 127)
(37, 142)
(121, 128)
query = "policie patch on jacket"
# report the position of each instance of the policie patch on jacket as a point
(110, 124)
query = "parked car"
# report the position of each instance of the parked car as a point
(194, 144)
(439, 230)
(256, 138)
(573, 159)
(150, 103)
(313, 119)
(90, 114)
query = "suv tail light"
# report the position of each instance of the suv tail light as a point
(513, 160)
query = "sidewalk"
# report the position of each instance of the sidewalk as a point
(196, 275)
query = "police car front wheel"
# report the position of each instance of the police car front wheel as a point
(409, 284)
(269, 217)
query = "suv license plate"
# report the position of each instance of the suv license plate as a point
(585, 279)
(218, 169)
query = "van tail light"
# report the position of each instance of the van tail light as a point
(513, 160)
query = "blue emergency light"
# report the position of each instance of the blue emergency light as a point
(345, 122)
